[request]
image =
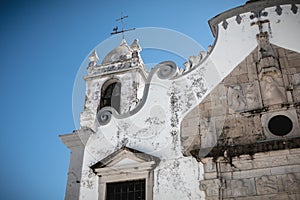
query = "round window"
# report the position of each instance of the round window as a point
(280, 125)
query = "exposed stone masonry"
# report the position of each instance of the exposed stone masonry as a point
(270, 175)
(244, 159)
(242, 114)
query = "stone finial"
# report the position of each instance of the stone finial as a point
(123, 42)
(135, 46)
(93, 56)
(265, 48)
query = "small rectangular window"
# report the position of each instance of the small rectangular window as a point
(127, 190)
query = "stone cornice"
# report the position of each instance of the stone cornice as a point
(121, 71)
(78, 138)
(248, 7)
(250, 149)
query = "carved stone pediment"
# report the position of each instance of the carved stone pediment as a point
(125, 160)
(126, 164)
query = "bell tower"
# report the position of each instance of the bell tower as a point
(117, 82)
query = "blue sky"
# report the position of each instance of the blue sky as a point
(42, 46)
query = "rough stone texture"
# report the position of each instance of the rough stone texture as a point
(246, 160)
(244, 101)
(268, 175)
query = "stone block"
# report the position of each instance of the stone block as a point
(184, 122)
(193, 122)
(206, 99)
(295, 196)
(206, 113)
(266, 185)
(252, 77)
(240, 69)
(284, 63)
(289, 183)
(230, 81)
(229, 175)
(190, 131)
(221, 89)
(281, 52)
(285, 78)
(252, 173)
(251, 67)
(241, 187)
(243, 67)
(233, 128)
(215, 102)
(295, 151)
(210, 187)
(297, 69)
(243, 78)
(225, 167)
(261, 155)
(261, 163)
(234, 72)
(209, 165)
(280, 152)
(214, 95)
(293, 56)
(193, 113)
(210, 175)
(285, 169)
(219, 110)
(207, 105)
(293, 159)
(292, 70)
(243, 165)
(199, 107)
(279, 161)
(244, 158)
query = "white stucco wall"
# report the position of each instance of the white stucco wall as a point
(155, 128)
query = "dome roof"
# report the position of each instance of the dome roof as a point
(121, 52)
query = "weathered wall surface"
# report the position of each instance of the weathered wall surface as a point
(270, 175)
(231, 133)
(239, 100)
(132, 84)
(233, 115)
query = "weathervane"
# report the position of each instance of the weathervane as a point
(115, 30)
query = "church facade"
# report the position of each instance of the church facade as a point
(225, 127)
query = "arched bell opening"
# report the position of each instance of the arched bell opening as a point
(110, 95)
